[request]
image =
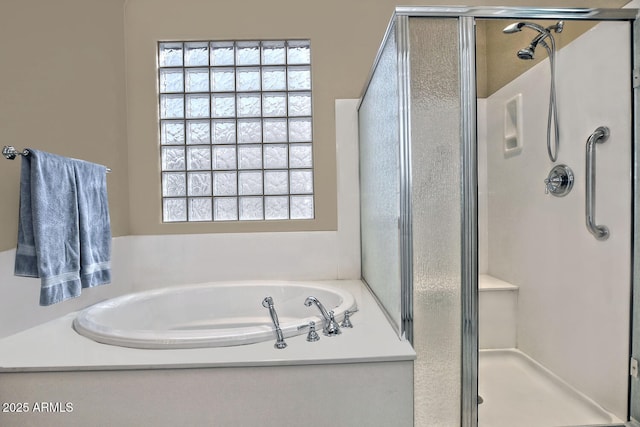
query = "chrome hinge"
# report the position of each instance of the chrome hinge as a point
(633, 368)
(636, 78)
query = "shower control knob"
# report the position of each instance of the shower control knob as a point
(560, 181)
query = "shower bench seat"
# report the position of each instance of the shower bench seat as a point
(497, 301)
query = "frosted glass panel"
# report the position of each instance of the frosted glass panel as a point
(434, 115)
(379, 185)
(435, 153)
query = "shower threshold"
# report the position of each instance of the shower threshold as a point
(516, 390)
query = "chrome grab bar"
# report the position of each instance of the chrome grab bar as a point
(600, 135)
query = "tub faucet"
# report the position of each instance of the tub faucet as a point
(268, 303)
(331, 327)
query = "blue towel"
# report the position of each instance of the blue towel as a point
(64, 232)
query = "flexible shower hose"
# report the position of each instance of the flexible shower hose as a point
(553, 108)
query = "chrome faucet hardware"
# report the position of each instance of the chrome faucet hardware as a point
(268, 303)
(312, 336)
(331, 327)
(346, 322)
(560, 181)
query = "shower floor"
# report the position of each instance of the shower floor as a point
(517, 391)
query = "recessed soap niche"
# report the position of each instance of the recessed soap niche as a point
(513, 126)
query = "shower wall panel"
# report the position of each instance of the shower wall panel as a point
(573, 304)
(379, 133)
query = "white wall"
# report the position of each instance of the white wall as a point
(574, 290)
(146, 262)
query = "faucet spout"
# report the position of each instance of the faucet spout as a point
(268, 303)
(331, 327)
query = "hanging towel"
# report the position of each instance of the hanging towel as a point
(64, 232)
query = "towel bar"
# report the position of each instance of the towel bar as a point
(11, 153)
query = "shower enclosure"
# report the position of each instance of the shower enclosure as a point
(464, 242)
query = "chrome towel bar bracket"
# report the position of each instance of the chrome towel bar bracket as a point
(10, 152)
(600, 135)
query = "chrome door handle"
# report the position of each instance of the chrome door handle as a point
(600, 135)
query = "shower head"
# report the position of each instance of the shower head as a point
(529, 51)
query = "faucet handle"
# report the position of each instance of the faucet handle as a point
(312, 336)
(346, 322)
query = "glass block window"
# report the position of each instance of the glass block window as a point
(235, 130)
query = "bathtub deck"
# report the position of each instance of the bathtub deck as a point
(55, 346)
(519, 392)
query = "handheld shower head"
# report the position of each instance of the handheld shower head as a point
(513, 28)
(517, 27)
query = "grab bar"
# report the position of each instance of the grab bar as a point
(600, 135)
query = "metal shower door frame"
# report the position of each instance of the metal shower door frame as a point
(469, 230)
(634, 382)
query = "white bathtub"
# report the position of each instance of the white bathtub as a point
(209, 315)
(366, 363)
